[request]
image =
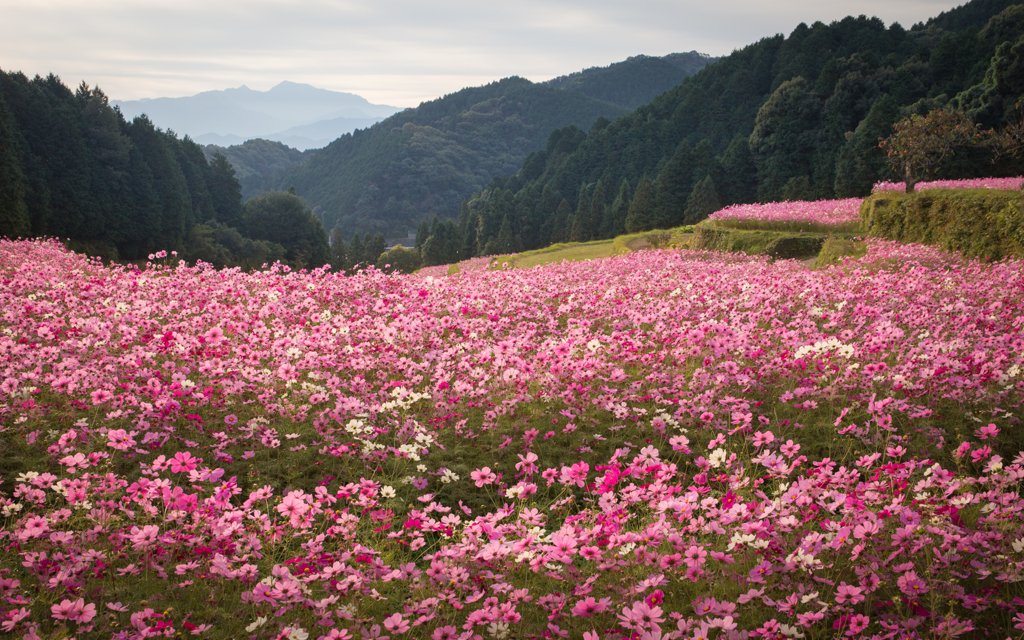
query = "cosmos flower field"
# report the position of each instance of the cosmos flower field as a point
(663, 444)
(820, 215)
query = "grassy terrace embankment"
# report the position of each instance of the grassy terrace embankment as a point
(987, 223)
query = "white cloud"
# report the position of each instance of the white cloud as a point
(397, 53)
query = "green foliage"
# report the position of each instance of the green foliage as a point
(340, 253)
(861, 162)
(673, 185)
(643, 214)
(14, 220)
(920, 143)
(72, 167)
(223, 246)
(614, 221)
(784, 137)
(978, 222)
(703, 201)
(283, 218)
(777, 244)
(835, 249)
(256, 160)
(399, 259)
(445, 244)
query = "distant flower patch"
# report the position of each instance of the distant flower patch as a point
(971, 183)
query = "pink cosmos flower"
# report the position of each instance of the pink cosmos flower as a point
(184, 461)
(641, 616)
(396, 624)
(76, 611)
(14, 616)
(100, 396)
(526, 463)
(144, 537)
(986, 432)
(120, 439)
(849, 592)
(858, 623)
(35, 526)
(483, 476)
(911, 585)
(446, 632)
(981, 453)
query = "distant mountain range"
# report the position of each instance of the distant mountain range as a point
(298, 115)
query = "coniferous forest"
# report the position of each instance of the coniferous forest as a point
(72, 167)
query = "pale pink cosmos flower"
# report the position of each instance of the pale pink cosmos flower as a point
(100, 396)
(145, 536)
(184, 461)
(14, 616)
(483, 476)
(849, 592)
(76, 611)
(990, 431)
(35, 527)
(396, 623)
(120, 439)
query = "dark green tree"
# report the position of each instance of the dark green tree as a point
(225, 191)
(784, 137)
(703, 201)
(339, 251)
(738, 183)
(558, 227)
(503, 243)
(614, 223)
(597, 211)
(422, 233)
(375, 247)
(168, 181)
(674, 184)
(357, 256)
(580, 231)
(283, 218)
(861, 163)
(643, 214)
(14, 220)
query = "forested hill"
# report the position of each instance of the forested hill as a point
(795, 117)
(72, 167)
(425, 161)
(634, 81)
(258, 159)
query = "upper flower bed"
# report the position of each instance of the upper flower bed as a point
(818, 215)
(973, 183)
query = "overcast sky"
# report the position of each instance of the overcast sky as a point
(400, 52)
